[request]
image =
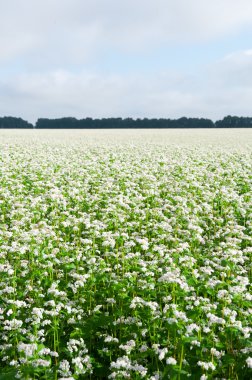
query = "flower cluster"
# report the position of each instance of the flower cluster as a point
(124, 258)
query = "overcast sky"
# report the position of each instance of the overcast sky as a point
(128, 58)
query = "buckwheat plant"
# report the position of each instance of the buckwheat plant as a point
(125, 256)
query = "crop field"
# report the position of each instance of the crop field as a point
(125, 254)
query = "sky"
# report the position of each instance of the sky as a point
(125, 58)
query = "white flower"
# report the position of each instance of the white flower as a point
(162, 353)
(128, 347)
(171, 361)
(27, 348)
(40, 363)
(206, 365)
(195, 343)
(109, 339)
(97, 308)
(122, 362)
(216, 353)
(64, 368)
(143, 348)
(249, 362)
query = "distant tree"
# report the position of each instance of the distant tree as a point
(117, 122)
(234, 122)
(14, 122)
(61, 123)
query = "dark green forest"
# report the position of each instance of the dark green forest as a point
(105, 123)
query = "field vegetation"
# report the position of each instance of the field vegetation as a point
(125, 256)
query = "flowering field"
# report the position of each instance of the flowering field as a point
(125, 256)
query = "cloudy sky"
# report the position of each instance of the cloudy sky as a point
(128, 58)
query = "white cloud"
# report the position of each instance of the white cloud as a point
(62, 93)
(58, 94)
(60, 43)
(232, 72)
(77, 30)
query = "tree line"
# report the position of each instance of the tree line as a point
(117, 123)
